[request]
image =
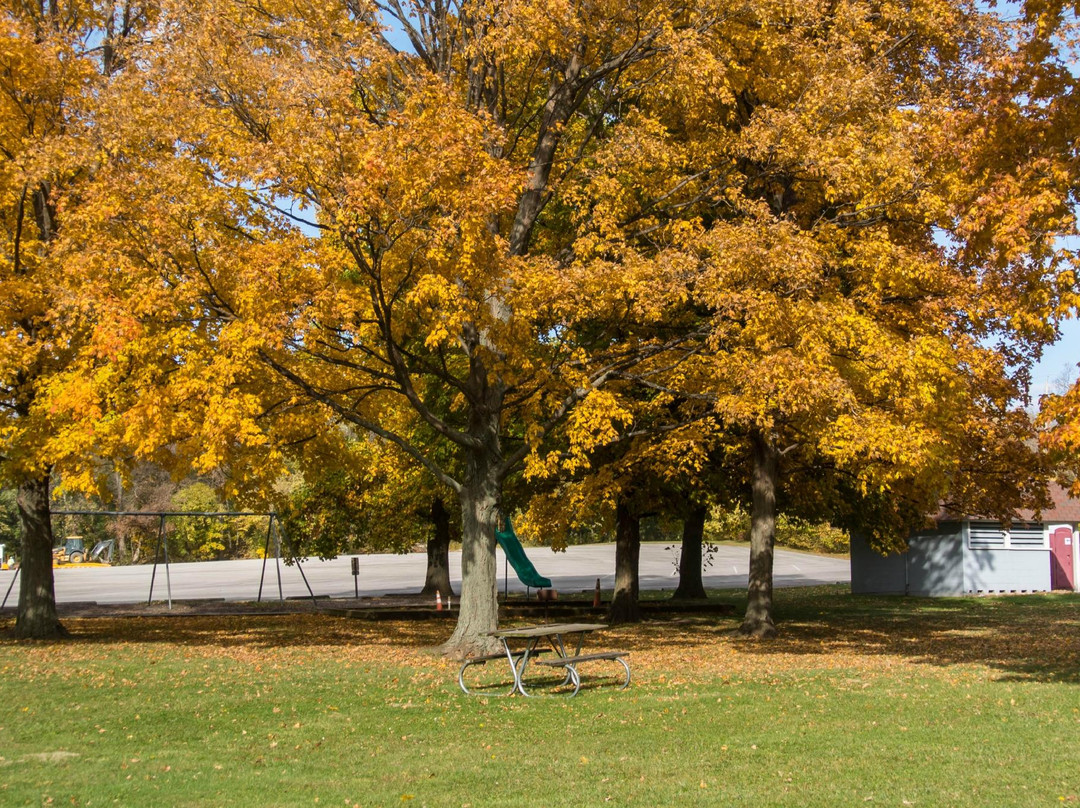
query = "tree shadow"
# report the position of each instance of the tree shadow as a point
(224, 632)
(1030, 638)
(1022, 638)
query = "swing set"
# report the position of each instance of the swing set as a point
(161, 549)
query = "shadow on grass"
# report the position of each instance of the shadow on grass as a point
(1022, 638)
(252, 631)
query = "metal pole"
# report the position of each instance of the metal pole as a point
(277, 562)
(11, 586)
(157, 550)
(156, 513)
(266, 553)
(168, 577)
(300, 567)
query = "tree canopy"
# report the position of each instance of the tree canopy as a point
(821, 236)
(56, 60)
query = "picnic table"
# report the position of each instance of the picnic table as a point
(553, 636)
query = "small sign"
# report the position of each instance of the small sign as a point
(1068, 540)
(355, 565)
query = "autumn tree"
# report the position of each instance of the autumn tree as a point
(53, 57)
(660, 462)
(206, 538)
(691, 585)
(9, 522)
(800, 219)
(133, 487)
(858, 239)
(437, 269)
(372, 498)
(1048, 57)
(909, 288)
(1059, 419)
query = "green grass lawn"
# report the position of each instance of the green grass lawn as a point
(861, 701)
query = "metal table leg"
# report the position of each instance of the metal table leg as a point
(519, 670)
(571, 676)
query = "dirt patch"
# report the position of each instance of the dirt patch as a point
(182, 608)
(49, 757)
(389, 607)
(217, 606)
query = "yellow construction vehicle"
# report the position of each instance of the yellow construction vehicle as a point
(74, 552)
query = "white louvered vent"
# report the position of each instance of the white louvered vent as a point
(986, 534)
(1021, 535)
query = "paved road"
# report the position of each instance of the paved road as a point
(572, 571)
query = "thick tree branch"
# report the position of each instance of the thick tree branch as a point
(349, 414)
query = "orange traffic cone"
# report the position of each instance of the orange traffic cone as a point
(438, 601)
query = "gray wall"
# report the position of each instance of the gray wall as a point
(1006, 570)
(933, 565)
(936, 561)
(873, 573)
(939, 563)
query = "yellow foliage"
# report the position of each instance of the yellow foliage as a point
(543, 227)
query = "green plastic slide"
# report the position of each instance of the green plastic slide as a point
(524, 568)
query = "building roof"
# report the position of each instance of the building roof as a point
(1065, 508)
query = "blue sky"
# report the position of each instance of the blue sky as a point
(1060, 357)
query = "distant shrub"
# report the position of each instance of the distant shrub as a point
(798, 534)
(661, 528)
(206, 538)
(818, 538)
(9, 520)
(733, 525)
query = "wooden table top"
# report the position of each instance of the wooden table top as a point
(548, 630)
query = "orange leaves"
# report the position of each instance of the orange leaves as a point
(441, 166)
(824, 631)
(595, 422)
(1059, 419)
(284, 224)
(47, 88)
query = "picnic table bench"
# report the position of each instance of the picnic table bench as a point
(553, 634)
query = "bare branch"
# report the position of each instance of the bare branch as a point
(349, 414)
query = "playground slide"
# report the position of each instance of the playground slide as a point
(524, 568)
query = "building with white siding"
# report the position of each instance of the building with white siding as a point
(971, 555)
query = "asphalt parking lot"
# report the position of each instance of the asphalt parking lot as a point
(571, 571)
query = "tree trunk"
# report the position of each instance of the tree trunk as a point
(120, 552)
(438, 552)
(691, 587)
(120, 524)
(758, 621)
(36, 618)
(624, 603)
(478, 615)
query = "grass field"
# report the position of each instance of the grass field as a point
(861, 701)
